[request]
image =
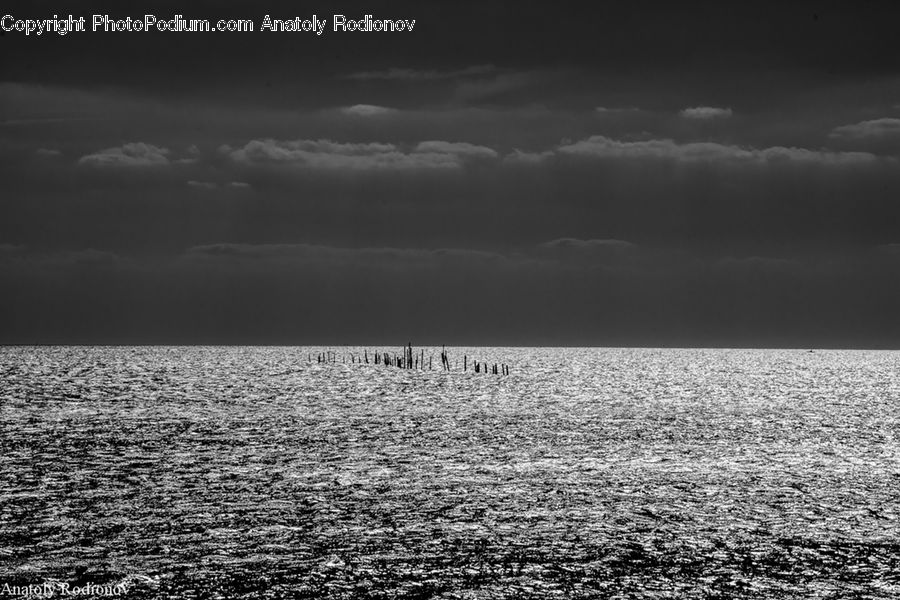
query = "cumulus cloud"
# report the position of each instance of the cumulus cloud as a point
(135, 154)
(397, 74)
(367, 110)
(874, 129)
(599, 146)
(47, 152)
(463, 149)
(706, 112)
(326, 154)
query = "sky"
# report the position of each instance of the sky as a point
(532, 173)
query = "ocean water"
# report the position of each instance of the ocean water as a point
(251, 472)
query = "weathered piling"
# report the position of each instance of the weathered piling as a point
(408, 358)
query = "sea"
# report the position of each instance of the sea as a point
(263, 472)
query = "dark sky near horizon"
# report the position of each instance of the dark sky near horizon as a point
(562, 173)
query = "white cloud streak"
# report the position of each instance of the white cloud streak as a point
(875, 129)
(135, 154)
(367, 110)
(327, 154)
(696, 152)
(706, 112)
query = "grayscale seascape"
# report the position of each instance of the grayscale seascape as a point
(251, 472)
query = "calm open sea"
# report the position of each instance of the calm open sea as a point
(630, 473)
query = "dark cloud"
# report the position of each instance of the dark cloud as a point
(303, 293)
(489, 168)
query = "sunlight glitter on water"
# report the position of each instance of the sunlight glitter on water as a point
(643, 473)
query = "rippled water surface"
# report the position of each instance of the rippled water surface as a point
(251, 472)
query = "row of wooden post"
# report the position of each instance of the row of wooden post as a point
(411, 360)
